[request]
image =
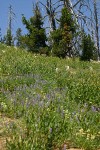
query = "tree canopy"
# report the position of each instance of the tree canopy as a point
(36, 36)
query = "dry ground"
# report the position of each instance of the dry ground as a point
(4, 125)
(4, 121)
(2, 143)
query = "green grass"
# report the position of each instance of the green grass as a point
(54, 103)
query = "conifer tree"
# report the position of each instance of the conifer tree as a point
(88, 48)
(35, 39)
(8, 38)
(64, 35)
(18, 37)
(0, 36)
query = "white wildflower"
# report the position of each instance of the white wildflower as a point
(3, 51)
(91, 60)
(57, 69)
(67, 68)
(81, 131)
(88, 130)
(91, 68)
(88, 136)
(3, 105)
(8, 46)
(67, 57)
(92, 137)
(35, 56)
(99, 132)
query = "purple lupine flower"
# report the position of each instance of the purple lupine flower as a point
(95, 109)
(65, 147)
(50, 130)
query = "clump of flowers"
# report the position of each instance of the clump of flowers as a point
(3, 51)
(86, 134)
(57, 70)
(91, 69)
(3, 106)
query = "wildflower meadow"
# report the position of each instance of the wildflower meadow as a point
(50, 103)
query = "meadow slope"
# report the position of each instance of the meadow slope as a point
(48, 103)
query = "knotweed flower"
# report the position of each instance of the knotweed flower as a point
(3, 51)
(88, 136)
(99, 132)
(3, 106)
(91, 68)
(88, 130)
(35, 55)
(67, 68)
(92, 137)
(81, 131)
(57, 69)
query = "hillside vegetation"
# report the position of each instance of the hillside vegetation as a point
(52, 103)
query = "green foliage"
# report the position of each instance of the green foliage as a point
(18, 37)
(56, 36)
(36, 37)
(55, 100)
(62, 37)
(66, 19)
(9, 38)
(0, 36)
(88, 48)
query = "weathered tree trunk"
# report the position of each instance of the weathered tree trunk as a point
(97, 28)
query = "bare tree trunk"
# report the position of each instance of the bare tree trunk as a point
(97, 28)
(51, 15)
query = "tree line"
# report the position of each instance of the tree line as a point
(72, 32)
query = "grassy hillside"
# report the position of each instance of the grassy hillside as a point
(55, 100)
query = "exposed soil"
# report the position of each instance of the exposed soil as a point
(3, 122)
(2, 143)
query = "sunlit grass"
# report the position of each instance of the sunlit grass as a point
(56, 101)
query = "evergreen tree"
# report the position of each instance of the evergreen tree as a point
(8, 38)
(88, 48)
(35, 39)
(64, 35)
(0, 36)
(4, 39)
(18, 37)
